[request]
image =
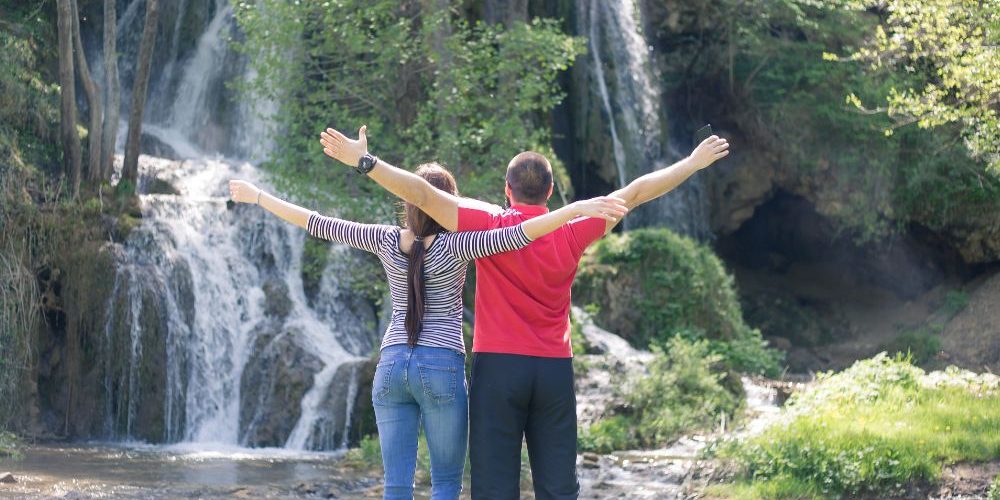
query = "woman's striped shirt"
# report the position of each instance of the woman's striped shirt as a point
(445, 263)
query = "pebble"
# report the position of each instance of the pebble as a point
(7, 477)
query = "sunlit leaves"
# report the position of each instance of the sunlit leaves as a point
(430, 86)
(951, 47)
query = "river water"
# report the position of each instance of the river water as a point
(146, 472)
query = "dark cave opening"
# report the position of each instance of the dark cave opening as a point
(826, 299)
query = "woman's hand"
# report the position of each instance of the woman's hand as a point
(243, 192)
(342, 149)
(609, 208)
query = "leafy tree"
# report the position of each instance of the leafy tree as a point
(947, 50)
(430, 85)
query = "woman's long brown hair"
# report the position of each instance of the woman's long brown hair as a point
(421, 225)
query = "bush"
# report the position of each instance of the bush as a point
(605, 436)
(994, 493)
(921, 344)
(684, 391)
(651, 285)
(874, 428)
(8, 445)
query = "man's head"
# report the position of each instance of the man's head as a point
(529, 179)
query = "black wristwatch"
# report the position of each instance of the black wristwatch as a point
(366, 163)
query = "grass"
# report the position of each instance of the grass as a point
(872, 429)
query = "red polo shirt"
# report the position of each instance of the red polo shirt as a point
(523, 297)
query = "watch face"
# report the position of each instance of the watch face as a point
(366, 163)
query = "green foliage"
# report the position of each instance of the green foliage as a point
(315, 253)
(945, 54)
(652, 285)
(920, 344)
(954, 302)
(430, 87)
(874, 428)
(605, 436)
(684, 391)
(29, 106)
(994, 493)
(785, 90)
(9, 445)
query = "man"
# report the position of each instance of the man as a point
(522, 370)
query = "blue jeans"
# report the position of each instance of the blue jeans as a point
(421, 384)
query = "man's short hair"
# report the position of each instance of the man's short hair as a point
(529, 175)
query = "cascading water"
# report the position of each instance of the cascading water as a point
(209, 324)
(628, 87)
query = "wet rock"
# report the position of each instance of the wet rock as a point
(346, 405)
(7, 477)
(278, 374)
(276, 300)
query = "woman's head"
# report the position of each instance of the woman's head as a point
(416, 220)
(421, 225)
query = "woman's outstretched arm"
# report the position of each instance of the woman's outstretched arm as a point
(471, 245)
(609, 208)
(367, 237)
(245, 192)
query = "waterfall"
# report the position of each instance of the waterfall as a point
(628, 86)
(193, 339)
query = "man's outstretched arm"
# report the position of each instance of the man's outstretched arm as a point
(410, 187)
(658, 183)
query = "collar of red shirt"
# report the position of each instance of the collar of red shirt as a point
(530, 210)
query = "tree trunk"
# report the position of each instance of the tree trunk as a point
(112, 91)
(93, 101)
(67, 89)
(131, 169)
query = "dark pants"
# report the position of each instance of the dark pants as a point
(515, 397)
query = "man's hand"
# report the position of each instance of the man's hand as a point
(340, 148)
(709, 151)
(243, 192)
(609, 208)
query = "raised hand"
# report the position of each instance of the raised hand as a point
(243, 192)
(709, 151)
(348, 151)
(609, 208)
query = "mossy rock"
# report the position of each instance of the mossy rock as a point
(650, 285)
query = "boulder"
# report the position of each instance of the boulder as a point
(276, 377)
(348, 414)
(7, 477)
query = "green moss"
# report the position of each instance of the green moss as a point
(650, 285)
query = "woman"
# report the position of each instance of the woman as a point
(420, 374)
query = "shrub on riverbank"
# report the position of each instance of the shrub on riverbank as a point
(683, 391)
(8, 445)
(874, 428)
(651, 285)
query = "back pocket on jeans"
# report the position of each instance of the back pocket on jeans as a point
(382, 381)
(439, 382)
